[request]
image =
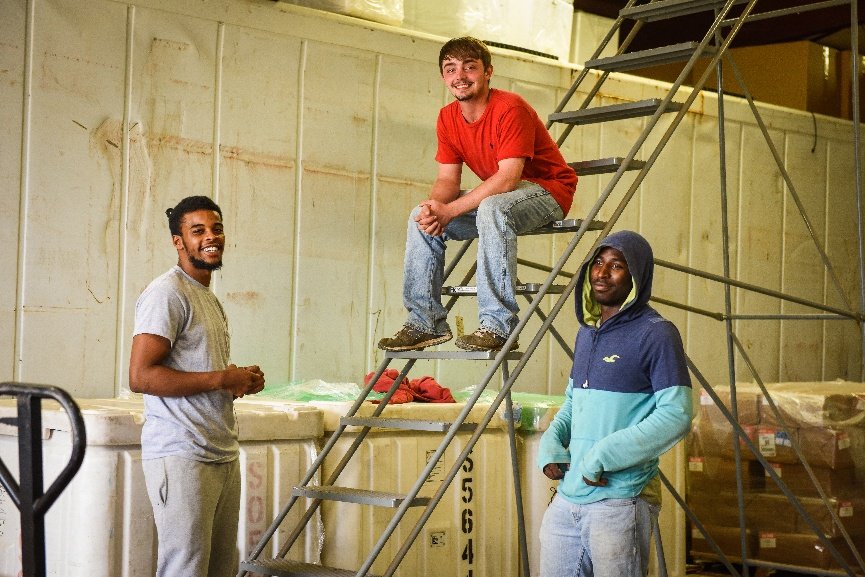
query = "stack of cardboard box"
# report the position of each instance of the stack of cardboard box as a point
(827, 421)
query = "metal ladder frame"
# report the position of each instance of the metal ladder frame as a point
(716, 45)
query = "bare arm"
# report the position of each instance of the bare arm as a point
(147, 374)
(440, 213)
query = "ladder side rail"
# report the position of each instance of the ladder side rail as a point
(499, 359)
(770, 471)
(515, 469)
(836, 520)
(699, 525)
(659, 548)
(728, 302)
(760, 290)
(755, 317)
(349, 453)
(857, 162)
(827, 264)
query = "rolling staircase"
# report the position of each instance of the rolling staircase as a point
(715, 42)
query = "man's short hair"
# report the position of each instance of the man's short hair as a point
(463, 48)
(189, 204)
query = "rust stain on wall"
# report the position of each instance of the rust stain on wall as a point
(243, 296)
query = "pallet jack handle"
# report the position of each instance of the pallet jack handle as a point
(28, 495)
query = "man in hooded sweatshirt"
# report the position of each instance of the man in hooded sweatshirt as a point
(628, 401)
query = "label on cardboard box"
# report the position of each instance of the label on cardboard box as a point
(845, 509)
(705, 399)
(843, 441)
(766, 440)
(768, 541)
(695, 464)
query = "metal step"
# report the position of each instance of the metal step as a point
(603, 166)
(566, 225)
(522, 289)
(452, 355)
(666, 9)
(406, 424)
(646, 58)
(284, 568)
(612, 112)
(360, 496)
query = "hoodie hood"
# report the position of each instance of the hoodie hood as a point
(641, 264)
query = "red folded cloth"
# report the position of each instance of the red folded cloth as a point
(428, 390)
(424, 389)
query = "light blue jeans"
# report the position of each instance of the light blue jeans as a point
(496, 223)
(609, 538)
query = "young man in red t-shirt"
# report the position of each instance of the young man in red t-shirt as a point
(526, 184)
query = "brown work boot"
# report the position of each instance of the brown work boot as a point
(410, 339)
(482, 340)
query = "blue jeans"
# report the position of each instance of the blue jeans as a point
(496, 223)
(609, 538)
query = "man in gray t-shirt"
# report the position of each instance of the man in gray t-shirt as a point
(181, 362)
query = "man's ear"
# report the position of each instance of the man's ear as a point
(177, 241)
(489, 71)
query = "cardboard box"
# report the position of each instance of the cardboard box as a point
(748, 397)
(815, 404)
(728, 540)
(845, 85)
(826, 448)
(715, 474)
(835, 483)
(800, 550)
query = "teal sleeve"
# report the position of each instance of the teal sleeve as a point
(647, 440)
(555, 440)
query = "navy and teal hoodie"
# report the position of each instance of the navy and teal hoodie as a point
(628, 398)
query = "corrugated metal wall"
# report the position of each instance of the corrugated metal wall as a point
(316, 135)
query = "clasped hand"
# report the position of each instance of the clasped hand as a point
(434, 216)
(242, 381)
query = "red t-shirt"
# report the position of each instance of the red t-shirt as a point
(508, 128)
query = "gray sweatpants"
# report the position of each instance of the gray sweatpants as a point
(195, 507)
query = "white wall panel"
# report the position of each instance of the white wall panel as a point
(760, 251)
(257, 179)
(704, 336)
(842, 352)
(317, 137)
(71, 209)
(802, 265)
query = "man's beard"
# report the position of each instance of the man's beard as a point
(204, 265)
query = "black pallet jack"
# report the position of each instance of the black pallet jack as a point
(27, 494)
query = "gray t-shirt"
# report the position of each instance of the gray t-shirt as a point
(198, 427)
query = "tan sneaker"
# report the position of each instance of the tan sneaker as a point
(483, 340)
(410, 339)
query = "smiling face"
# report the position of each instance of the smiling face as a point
(200, 244)
(466, 79)
(611, 281)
